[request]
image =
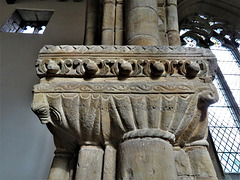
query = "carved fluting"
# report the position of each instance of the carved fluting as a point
(80, 114)
(75, 114)
(177, 114)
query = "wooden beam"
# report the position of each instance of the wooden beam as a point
(10, 1)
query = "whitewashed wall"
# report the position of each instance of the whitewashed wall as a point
(26, 145)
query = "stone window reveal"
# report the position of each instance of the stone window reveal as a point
(27, 21)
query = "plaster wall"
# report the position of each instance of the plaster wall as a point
(26, 145)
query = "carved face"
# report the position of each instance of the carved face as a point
(41, 108)
(43, 114)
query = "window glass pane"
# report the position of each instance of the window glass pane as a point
(230, 69)
(28, 30)
(225, 131)
(42, 30)
(223, 125)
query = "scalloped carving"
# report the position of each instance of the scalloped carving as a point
(89, 117)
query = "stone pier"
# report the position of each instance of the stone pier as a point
(129, 108)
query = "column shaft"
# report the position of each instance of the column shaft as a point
(91, 23)
(61, 166)
(89, 166)
(172, 26)
(109, 169)
(142, 23)
(119, 23)
(108, 22)
(147, 158)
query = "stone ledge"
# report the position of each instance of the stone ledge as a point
(81, 49)
(125, 61)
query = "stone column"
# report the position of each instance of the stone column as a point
(89, 165)
(108, 22)
(162, 22)
(172, 23)
(91, 22)
(63, 163)
(146, 157)
(141, 22)
(119, 23)
(109, 168)
(201, 163)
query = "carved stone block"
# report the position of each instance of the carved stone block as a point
(122, 111)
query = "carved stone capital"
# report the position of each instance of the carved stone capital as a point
(100, 101)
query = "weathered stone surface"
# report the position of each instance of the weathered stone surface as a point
(201, 163)
(186, 178)
(129, 112)
(62, 165)
(129, 61)
(89, 165)
(172, 23)
(119, 23)
(91, 22)
(172, 18)
(151, 99)
(140, 159)
(173, 38)
(171, 2)
(108, 22)
(142, 23)
(183, 165)
(206, 178)
(110, 163)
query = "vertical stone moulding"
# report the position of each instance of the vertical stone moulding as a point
(119, 23)
(172, 23)
(89, 165)
(110, 159)
(108, 25)
(91, 23)
(201, 163)
(62, 165)
(142, 23)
